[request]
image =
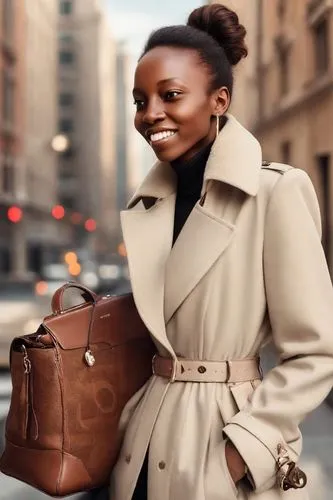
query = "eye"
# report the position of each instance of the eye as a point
(171, 94)
(139, 103)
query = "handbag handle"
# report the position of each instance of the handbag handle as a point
(57, 299)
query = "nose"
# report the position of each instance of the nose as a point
(154, 112)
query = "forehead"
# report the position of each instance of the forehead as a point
(164, 63)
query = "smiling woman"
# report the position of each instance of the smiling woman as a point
(224, 256)
(183, 82)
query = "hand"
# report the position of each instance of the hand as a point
(236, 464)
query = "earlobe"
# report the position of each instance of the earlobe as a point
(222, 101)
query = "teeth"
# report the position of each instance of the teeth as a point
(161, 135)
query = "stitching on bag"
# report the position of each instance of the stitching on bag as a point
(58, 367)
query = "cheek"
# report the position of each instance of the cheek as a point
(194, 115)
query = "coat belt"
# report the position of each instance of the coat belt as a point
(188, 370)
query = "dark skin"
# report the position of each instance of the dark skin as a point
(176, 114)
(171, 92)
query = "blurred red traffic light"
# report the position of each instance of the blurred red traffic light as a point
(90, 225)
(58, 212)
(14, 214)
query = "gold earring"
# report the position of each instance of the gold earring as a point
(217, 125)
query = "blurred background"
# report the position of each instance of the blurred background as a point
(70, 157)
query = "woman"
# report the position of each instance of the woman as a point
(224, 255)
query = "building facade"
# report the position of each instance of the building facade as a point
(12, 88)
(42, 233)
(28, 117)
(296, 85)
(290, 56)
(245, 95)
(86, 94)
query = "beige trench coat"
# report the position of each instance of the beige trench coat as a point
(248, 266)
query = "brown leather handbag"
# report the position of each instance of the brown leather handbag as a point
(71, 380)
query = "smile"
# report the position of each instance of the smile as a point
(161, 136)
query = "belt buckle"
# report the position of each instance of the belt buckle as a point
(228, 376)
(174, 370)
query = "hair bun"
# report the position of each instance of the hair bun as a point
(223, 25)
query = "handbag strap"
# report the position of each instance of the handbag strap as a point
(57, 299)
(57, 308)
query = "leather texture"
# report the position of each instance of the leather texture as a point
(187, 370)
(62, 428)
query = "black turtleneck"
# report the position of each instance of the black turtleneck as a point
(190, 176)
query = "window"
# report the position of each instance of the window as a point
(66, 171)
(281, 8)
(68, 202)
(66, 99)
(7, 19)
(66, 57)
(284, 57)
(8, 173)
(285, 152)
(4, 260)
(65, 37)
(66, 125)
(321, 40)
(323, 163)
(8, 89)
(66, 7)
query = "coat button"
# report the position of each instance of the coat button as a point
(128, 459)
(201, 369)
(161, 465)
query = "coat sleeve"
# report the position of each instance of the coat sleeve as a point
(300, 306)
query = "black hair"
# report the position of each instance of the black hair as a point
(214, 32)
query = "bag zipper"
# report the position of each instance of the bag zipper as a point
(30, 423)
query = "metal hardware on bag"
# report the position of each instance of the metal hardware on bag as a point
(26, 360)
(89, 357)
(293, 476)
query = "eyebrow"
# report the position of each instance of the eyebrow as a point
(160, 82)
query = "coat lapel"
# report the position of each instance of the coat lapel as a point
(148, 239)
(161, 276)
(200, 243)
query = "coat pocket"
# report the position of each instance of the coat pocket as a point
(219, 484)
(242, 392)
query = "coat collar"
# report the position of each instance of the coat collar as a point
(235, 159)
